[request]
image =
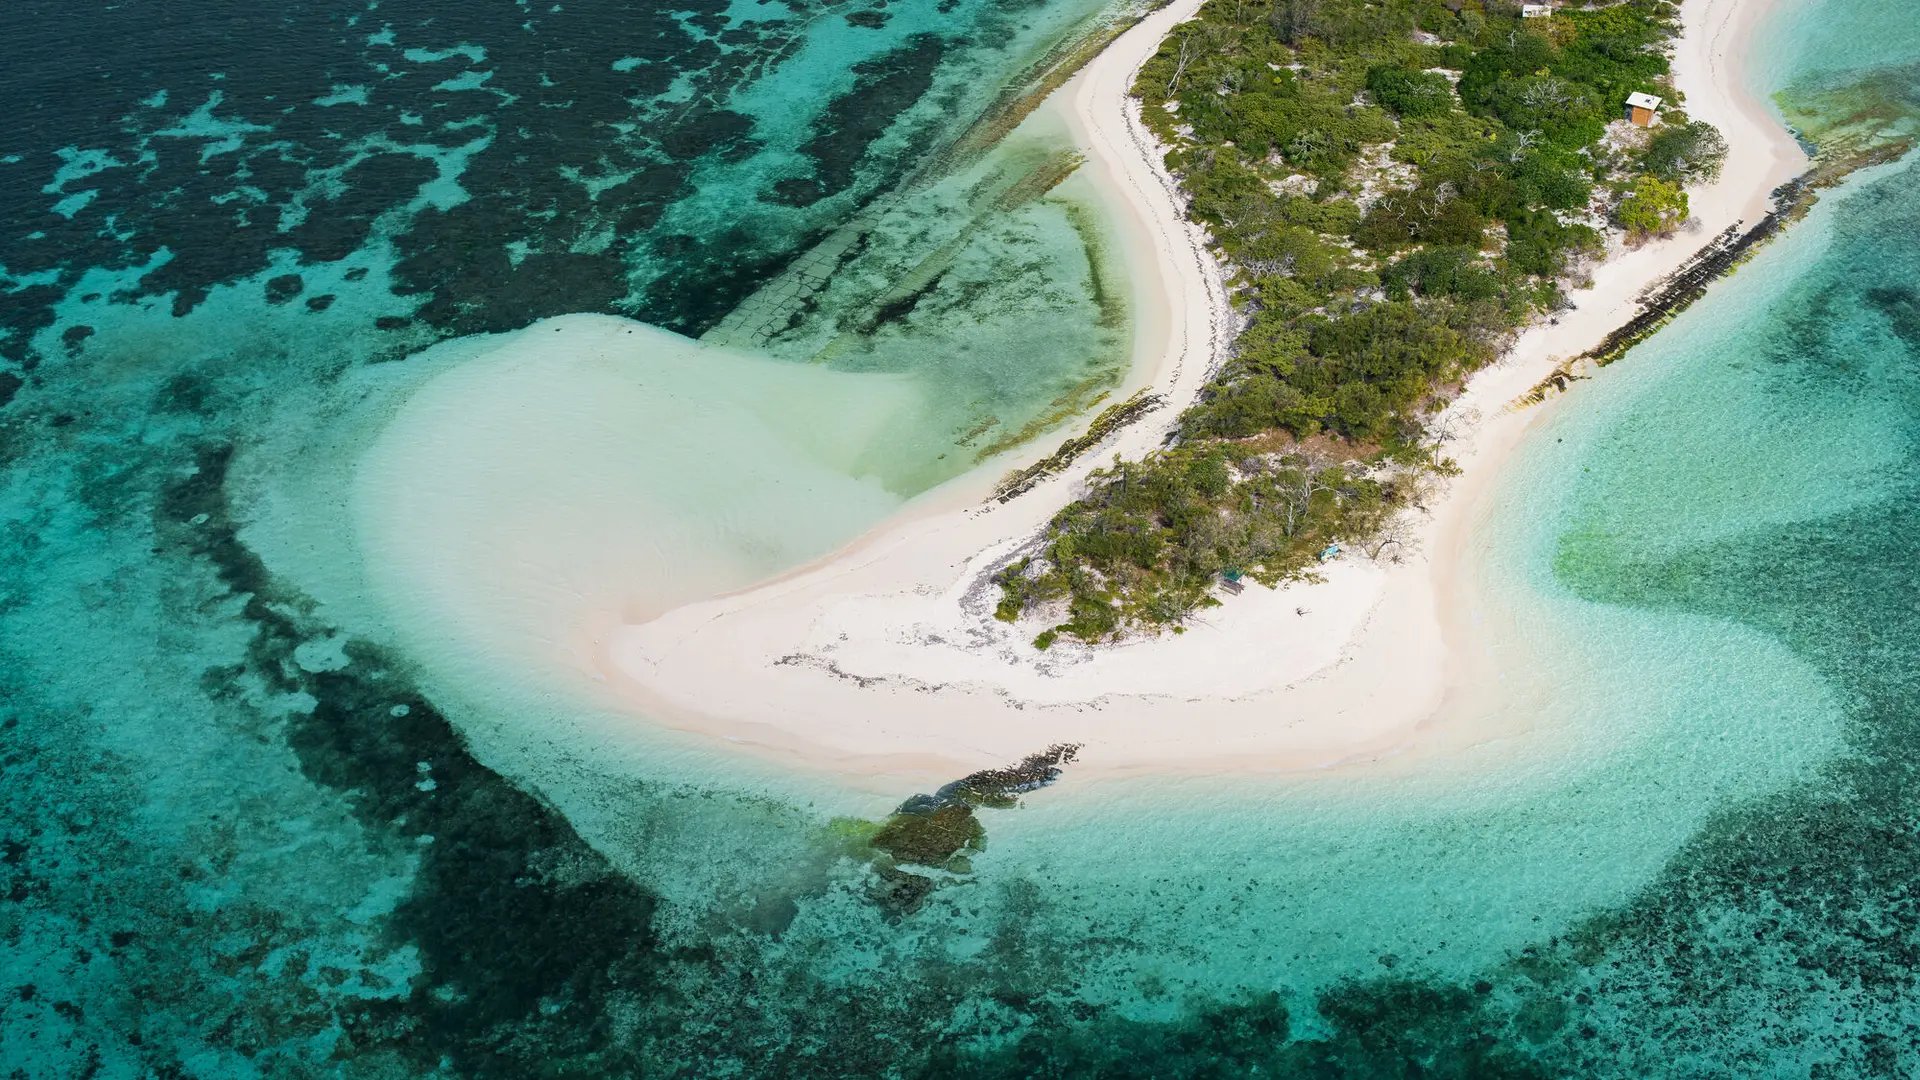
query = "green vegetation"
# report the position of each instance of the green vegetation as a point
(1679, 152)
(1396, 186)
(1651, 205)
(1147, 542)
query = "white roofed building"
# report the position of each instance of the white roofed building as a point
(1642, 109)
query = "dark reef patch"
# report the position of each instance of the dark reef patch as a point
(884, 87)
(455, 132)
(523, 930)
(1382, 1031)
(1900, 306)
(23, 313)
(338, 226)
(284, 288)
(73, 337)
(716, 276)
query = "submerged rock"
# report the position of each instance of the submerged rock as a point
(899, 891)
(930, 838)
(941, 830)
(284, 288)
(999, 788)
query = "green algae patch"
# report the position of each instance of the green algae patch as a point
(850, 834)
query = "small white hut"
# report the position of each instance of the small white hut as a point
(1642, 108)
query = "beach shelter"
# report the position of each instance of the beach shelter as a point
(1642, 108)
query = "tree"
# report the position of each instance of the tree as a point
(1650, 206)
(1685, 152)
(1292, 20)
(1393, 540)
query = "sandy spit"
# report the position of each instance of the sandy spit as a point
(885, 660)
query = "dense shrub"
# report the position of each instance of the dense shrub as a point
(1447, 271)
(1539, 245)
(1552, 180)
(1684, 152)
(1651, 205)
(1410, 94)
(1424, 216)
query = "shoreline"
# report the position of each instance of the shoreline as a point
(884, 658)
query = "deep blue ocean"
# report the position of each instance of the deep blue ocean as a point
(246, 832)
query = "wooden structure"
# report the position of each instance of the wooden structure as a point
(1642, 109)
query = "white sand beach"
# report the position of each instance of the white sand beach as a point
(885, 657)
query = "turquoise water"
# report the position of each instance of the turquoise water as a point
(250, 831)
(1813, 41)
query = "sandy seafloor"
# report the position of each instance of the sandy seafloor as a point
(1680, 844)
